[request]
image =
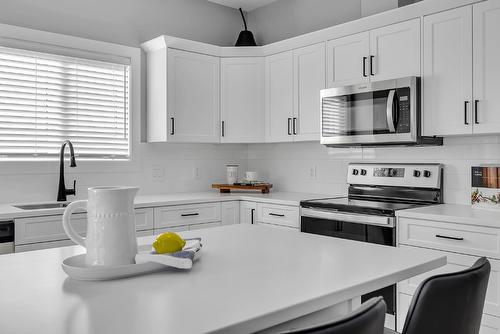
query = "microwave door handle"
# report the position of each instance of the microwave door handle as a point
(390, 116)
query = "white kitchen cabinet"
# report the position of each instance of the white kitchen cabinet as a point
(242, 100)
(385, 53)
(486, 55)
(43, 245)
(188, 214)
(193, 106)
(308, 79)
(279, 97)
(230, 212)
(347, 60)
(282, 215)
(248, 212)
(144, 219)
(447, 73)
(395, 51)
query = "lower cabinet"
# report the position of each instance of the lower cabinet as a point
(416, 233)
(281, 215)
(230, 212)
(248, 212)
(189, 214)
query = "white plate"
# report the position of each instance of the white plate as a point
(76, 268)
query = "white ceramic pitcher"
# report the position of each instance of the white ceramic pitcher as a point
(111, 238)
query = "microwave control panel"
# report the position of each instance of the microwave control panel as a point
(403, 110)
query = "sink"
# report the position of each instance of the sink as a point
(39, 206)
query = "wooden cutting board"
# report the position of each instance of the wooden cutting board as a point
(226, 188)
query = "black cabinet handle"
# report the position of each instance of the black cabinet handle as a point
(189, 214)
(276, 215)
(447, 237)
(172, 126)
(223, 128)
(295, 125)
(252, 213)
(466, 107)
(364, 67)
(289, 126)
(476, 102)
(371, 65)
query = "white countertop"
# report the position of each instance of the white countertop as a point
(454, 213)
(9, 212)
(248, 278)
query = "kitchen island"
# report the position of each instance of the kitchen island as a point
(249, 278)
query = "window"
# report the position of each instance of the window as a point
(48, 98)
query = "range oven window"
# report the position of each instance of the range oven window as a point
(361, 232)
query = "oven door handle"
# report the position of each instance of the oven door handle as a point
(390, 115)
(349, 217)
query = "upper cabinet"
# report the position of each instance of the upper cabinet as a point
(461, 70)
(309, 79)
(389, 52)
(192, 97)
(242, 100)
(447, 73)
(293, 82)
(279, 97)
(486, 66)
(347, 60)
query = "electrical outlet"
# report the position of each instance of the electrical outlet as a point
(312, 173)
(158, 174)
(196, 173)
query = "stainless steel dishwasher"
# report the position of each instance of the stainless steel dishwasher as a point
(6, 237)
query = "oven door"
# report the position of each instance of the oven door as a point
(376, 113)
(373, 229)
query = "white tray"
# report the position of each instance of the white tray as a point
(76, 268)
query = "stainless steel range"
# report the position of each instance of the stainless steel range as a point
(368, 213)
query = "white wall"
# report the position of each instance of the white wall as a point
(288, 18)
(288, 165)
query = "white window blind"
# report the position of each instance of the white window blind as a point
(46, 99)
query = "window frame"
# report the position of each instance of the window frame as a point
(47, 42)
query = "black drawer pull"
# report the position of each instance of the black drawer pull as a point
(189, 214)
(276, 215)
(446, 237)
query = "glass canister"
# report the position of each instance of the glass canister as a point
(232, 174)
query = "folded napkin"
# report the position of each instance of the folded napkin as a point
(182, 259)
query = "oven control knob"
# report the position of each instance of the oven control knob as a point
(355, 172)
(363, 172)
(416, 173)
(427, 173)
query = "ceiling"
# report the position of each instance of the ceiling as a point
(247, 5)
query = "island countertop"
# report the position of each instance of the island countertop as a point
(248, 278)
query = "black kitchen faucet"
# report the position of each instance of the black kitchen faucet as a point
(62, 192)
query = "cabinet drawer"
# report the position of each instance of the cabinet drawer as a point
(43, 245)
(474, 240)
(182, 215)
(144, 219)
(202, 226)
(457, 262)
(48, 228)
(278, 214)
(489, 324)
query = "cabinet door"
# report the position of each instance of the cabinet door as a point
(248, 212)
(230, 213)
(309, 79)
(395, 51)
(279, 97)
(447, 73)
(193, 97)
(347, 60)
(487, 66)
(242, 100)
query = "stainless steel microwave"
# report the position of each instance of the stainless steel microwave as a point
(372, 114)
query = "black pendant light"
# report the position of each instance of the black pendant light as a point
(246, 37)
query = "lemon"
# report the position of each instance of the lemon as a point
(168, 242)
